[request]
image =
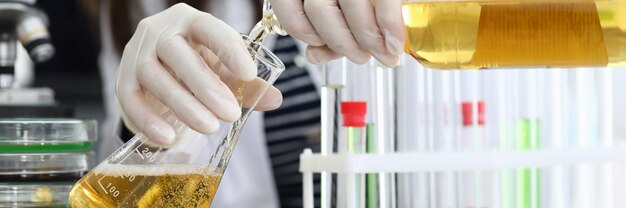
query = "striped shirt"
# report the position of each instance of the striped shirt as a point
(292, 127)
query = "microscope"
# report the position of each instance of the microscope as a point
(24, 41)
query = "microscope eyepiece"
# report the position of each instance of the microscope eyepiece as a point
(33, 34)
(40, 50)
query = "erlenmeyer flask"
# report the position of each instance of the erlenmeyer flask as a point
(185, 174)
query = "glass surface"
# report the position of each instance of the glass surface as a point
(34, 195)
(46, 135)
(51, 147)
(44, 166)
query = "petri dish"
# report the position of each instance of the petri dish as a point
(46, 134)
(45, 167)
(35, 195)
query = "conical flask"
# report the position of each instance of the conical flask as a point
(185, 174)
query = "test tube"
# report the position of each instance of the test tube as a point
(604, 91)
(405, 86)
(356, 97)
(507, 105)
(333, 83)
(372, 179)
(411, 129)
(490, 87)
(604, 82)
(555, 131)
(422, 181)
(433, 188)
(569, 115)
(336, 89)
(617, 131)
(442, 134)
(584, 135)
(353, 113)
(384, 119)
(473, 184)
(528, 137)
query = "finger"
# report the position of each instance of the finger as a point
(266, 97)
(292, 18)
(250, 91)
(389, 18)
(333, 29)
(320, 55)
(227, 76)
(361, 19)
(138, 114)
(272, 99)
(227, 44)
(157, 80)
(143, 117)
(206, 86)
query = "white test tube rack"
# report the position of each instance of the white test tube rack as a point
(311, 163)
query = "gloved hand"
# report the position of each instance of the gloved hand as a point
(190, 62)
(352, 28)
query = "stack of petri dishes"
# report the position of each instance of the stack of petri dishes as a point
(40, 160)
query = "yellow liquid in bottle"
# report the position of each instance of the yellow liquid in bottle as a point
(508, 33)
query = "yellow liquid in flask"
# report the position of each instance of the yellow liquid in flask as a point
(110, 186)
(509, 33)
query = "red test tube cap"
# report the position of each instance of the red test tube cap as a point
(353, 113)
(467, 109)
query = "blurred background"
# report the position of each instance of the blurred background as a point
(73, 71)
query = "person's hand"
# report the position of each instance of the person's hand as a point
(351, 28)
(191, 63)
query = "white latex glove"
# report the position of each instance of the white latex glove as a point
(190, 62)
(352, 28)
